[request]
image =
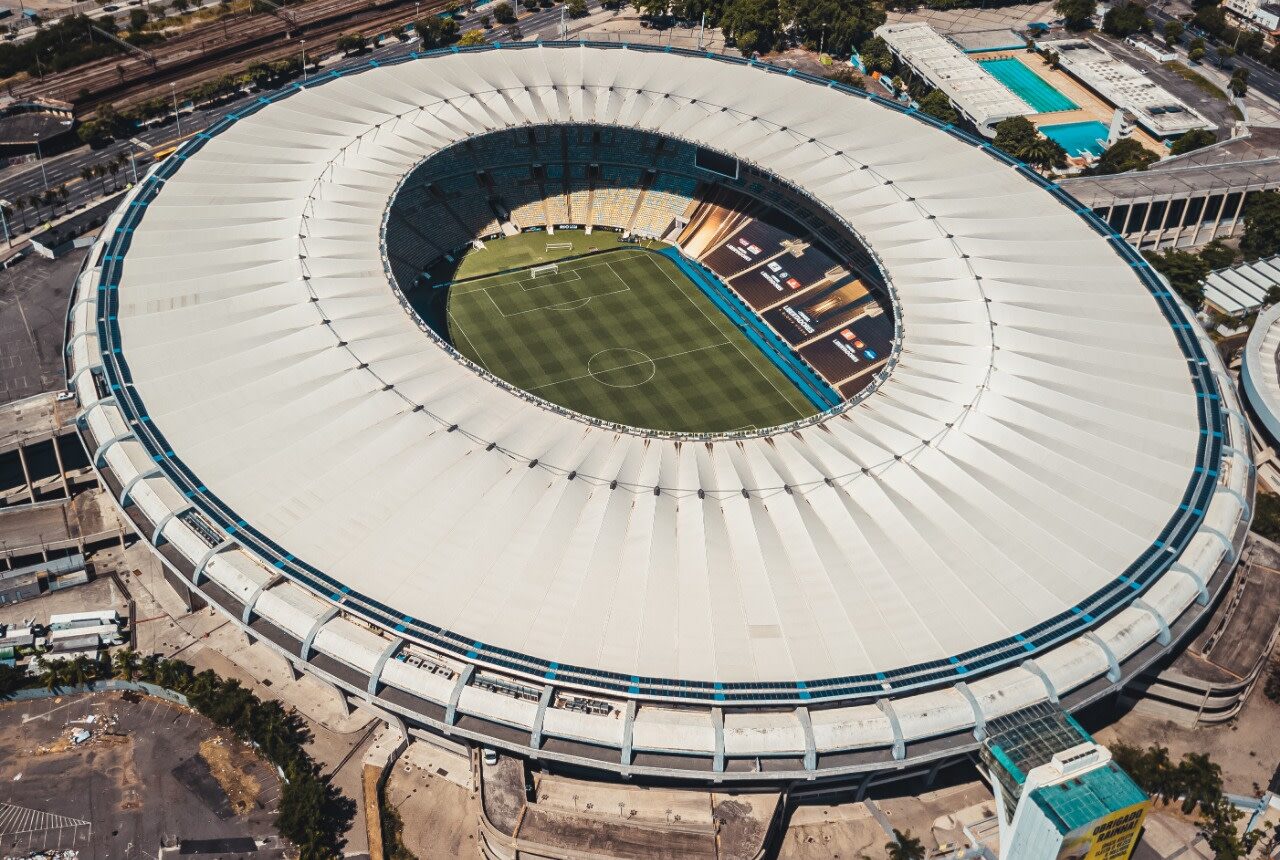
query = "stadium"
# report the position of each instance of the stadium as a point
(653, 413)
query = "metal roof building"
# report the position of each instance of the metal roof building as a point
(982, 99)
(1260, 370)
(1242, 289)
(1041, 497)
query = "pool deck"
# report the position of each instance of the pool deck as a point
(1090, 106)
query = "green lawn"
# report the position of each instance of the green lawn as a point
(620, 335)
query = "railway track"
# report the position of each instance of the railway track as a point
(221, 47)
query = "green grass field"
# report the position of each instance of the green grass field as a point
(620, 335)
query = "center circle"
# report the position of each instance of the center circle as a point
(563, 260)
(621, 367)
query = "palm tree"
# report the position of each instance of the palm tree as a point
(48, 198)
(904, 847)
(1201, 779)
(86, 173)
(63, 194)
(21, 204)
(1041, 152)
(114, 168)
(51, 674)
(124, 663)
(80, 671)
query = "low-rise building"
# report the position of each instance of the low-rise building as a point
(1058, 794)
(979, 97)
(1255, 14)
(1158, 111)
(16, 585)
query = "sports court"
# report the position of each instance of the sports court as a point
(617, 334)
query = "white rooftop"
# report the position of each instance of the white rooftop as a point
(1037, 435)
(970, 87)
(1242, 289)
(1157, 110)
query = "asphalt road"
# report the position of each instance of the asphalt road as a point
(33, 178)
(1261, 78)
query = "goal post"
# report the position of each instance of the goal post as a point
(559, 246)
(548, 269)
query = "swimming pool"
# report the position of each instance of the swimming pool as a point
(1078, 138)
(1027, 85)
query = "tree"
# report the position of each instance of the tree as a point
(1053, 58)
(1191, 141)
(1186, 273)
(576, 8)
(652, 9)
(1125, 154)
(471, 38)
(80, 671)
(1014, 135)
(124, 663)
(1218, 827)
(352, 43)
(11, 678)
(752, 25)
(137, 19)
(1261, 236)
(904, 846)
(937, 105)
(1217, 255)
(1239, 82)
(1200, 776)
(436, 32)
(529, 5)
(832, 25)
(504, 14)
(1045, 154)
(52, 674)
(1076, 15)
(875, 55)
(1212, 19)
(1125, 19)
(181, 5)
(1173, 31)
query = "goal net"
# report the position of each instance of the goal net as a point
(559, 246)
(549, 269)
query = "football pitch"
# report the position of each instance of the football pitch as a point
(623, 336)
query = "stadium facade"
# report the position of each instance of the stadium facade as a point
(1048, 486)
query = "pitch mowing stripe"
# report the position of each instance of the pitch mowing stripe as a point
(617, 301)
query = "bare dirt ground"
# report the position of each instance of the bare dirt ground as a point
(231, 764)
(1245, 747)
(431, 789)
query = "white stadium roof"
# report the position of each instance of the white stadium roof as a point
(1036, 459)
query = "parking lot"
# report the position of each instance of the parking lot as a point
(33, 307)
(151, 775)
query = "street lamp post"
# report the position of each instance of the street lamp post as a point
(304, 61)
(40, 158)
(133, 162)
(5, 223)
(176, 117)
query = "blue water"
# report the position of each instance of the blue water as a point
(1078, 138)
(1027, 85)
